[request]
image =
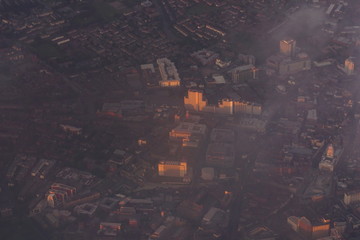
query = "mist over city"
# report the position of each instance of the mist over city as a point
(179, 119)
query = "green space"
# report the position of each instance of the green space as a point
(200, 8)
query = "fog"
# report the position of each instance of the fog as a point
(300, 24)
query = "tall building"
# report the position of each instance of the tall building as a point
(169, 74)
(243, 73)
(284, 65)
(287, 47)
(349, 66)
(196, 101)
(172, 169)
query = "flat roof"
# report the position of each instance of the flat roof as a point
(190, 127)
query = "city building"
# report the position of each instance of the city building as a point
(288, 61)
(288, 47)
(243, 73)
(52, 200)
(253, 124)
(20, 166)
(87, 209)
(349, 66)
(207, 173)
(330, 158)
(70, 190)
(284, 65)
(222, 63)
(58, 194)
(220, 155)
(320, 187)
(352, 197)
(185, 130)
(109, 228)
(196, 101)
(215, 217)
(172, 169)
(308, 229)
(42, 168)
(205, 57)
(293, 222)
(247, 59)
(222, 135)
(169, 74)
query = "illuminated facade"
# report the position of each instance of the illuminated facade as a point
(196, 101)
(349, 67)
(172, 169)
(169, 74)
(287, 47)
(321, 230)
(308, 229)
(58, 194)
(330, 158)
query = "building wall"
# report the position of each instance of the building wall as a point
(169, 74)
(305, 227)
(320, 231)
(351, 197)
(287, 47)
(349, 66)
(225, 107)
(293, 222)
(172, 83)
(326, 166)
(289, 67)
(195, 101)
(172, 169)
(238, 76)
(174, 135)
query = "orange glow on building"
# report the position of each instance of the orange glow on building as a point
(172, 169)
